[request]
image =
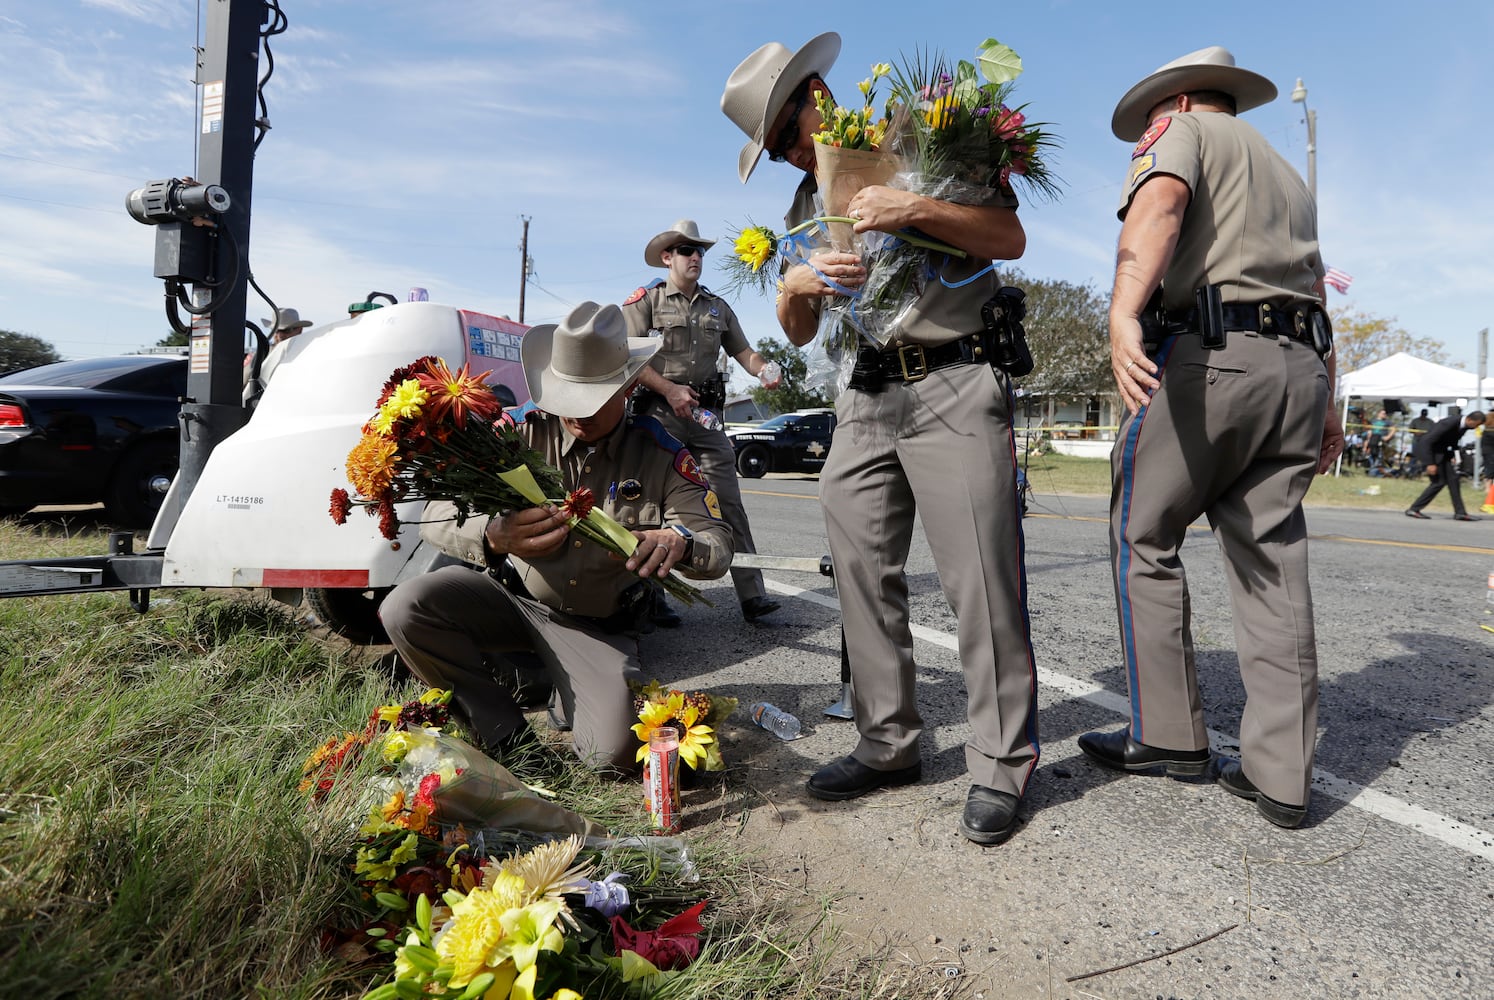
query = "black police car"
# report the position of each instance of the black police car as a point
(789, 442)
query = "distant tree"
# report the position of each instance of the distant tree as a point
(790, 394)
(1068, 334)
(174, 339)
(20, 350)
(1360, 339)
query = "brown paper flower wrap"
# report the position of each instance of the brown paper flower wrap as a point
(840, 173)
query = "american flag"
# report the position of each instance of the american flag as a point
(1338, 280)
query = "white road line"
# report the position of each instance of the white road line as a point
(1432, 824)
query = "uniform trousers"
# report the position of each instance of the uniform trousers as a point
(718, 463)
(1446, 475)
(444, 624)
(943, 447)
(1233, 434)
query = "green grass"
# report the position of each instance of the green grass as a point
(153, 842)
(1053, 474)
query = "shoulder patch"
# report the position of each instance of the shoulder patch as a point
(642, 290)
(1152, 134)
(1139, 168)
(713, 505)
(684, 464)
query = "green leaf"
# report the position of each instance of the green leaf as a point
(998, 63)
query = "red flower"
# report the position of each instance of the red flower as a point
(341, 505)
(426, 795)
(673, 946)
(454, 395)
(1007, 124)
(579, 502)
(388, 522)
(414, 370)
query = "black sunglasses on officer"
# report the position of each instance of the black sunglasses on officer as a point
(688, 250)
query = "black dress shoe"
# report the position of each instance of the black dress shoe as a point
(1418, 515)
(1232, 779)
(1119, 752)
(661, 614)
(1464, 517)
(990, 816)
(848, 778)
(756, 607)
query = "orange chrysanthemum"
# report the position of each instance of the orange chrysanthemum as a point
(371, 464)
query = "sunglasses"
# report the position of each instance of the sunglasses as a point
(788, 136)
(688, 250)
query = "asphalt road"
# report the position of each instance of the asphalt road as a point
(1385, 892)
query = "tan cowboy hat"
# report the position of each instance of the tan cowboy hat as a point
(1212, 68)
(286, 319)
(760, 86)
(683, 231)
(575, 367)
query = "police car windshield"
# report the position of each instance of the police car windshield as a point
(781, 420)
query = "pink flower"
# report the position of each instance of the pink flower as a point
(1007, 124)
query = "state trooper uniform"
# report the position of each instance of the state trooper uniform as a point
(693, 330)
(575, 608)
(1233, 432)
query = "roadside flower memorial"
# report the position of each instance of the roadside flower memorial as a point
(442, 435)
(480, 887)
(694, 715)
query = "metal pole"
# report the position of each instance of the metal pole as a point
(1312, 154)
(523, 266)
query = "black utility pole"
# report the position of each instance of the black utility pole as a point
(523, 265)
(228, 72)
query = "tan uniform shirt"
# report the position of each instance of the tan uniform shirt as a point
(1259, 240)
(694, 329)
(641, 476)
(949, 307)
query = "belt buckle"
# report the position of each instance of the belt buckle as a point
(920, 369)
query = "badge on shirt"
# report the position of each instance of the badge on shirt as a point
(1152, 134)
(630, 489)
(715, 311)
(713, 505)
(684, 464)
(1139, 167)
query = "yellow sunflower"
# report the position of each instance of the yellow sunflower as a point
(755, 246)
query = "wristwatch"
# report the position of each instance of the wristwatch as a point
(689, 538)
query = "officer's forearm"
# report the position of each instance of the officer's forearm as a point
(653, 381)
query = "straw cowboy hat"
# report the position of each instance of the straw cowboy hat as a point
(287, 319)
(1212, 68)
(683, 231)
(760, 86)
(575, 367)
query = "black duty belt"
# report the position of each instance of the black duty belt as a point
(1291, 321)
(914, 362)
(712, 395)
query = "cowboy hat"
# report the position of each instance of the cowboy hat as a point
(573, 368)
(683, 231)
(1212, 68)
(760, 86)
(286, 319)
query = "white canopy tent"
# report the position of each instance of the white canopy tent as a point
(1402, 376)
(1411, 379)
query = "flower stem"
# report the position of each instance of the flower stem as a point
(913, 239)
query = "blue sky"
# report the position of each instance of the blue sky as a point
(409, 138)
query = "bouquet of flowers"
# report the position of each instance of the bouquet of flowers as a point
(442, 435)
(695, 715)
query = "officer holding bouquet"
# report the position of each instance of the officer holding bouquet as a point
(925, 424)
(548, 591)
(694, 325)
(1229, 398)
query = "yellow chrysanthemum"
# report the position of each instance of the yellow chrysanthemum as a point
(755, 246)
(941, 114)
(407, 400)
(476, 930)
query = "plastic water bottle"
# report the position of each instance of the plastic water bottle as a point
(771, 374)
(705, 418)
(1490, 597)
(775, 720)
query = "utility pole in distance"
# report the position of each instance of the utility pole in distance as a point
(523, 265)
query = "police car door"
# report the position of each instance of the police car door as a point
(811, 441)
